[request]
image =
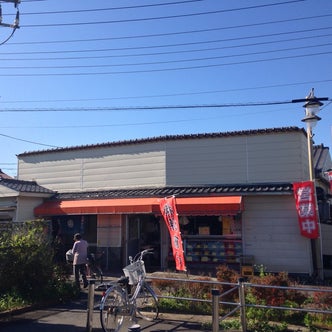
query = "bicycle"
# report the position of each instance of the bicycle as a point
(130, 296)
(93, 266)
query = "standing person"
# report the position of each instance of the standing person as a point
(80, 252)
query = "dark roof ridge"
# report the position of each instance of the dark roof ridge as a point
(18, 181)
(24, 186)
(169, 138)
(180, 191)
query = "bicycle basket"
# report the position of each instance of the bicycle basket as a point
(134, 271)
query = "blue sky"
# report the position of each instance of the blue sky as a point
(71, 64)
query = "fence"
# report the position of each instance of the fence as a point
(241, 287)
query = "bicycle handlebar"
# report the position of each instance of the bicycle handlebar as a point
(139, 256)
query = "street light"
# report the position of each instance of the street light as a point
(312, 107)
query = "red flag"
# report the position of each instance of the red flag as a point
(168, 210)
(304, 193)
(329, 175)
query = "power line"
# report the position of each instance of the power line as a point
(177, 120)
(24, 140)
(169, 94)
(110, 8)
(144, 108)
(165, 34)
(160, 17)
(164, 62)
(168, 69)
(171, 45)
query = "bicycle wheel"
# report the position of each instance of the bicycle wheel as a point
(96, 273)
(112, 307)
(147, 303)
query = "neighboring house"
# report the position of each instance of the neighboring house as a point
(233, 193)
(17, 199)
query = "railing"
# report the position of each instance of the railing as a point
(241, 287)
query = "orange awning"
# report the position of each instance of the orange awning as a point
(185, 206)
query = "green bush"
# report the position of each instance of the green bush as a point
(199, 290)
(319, 301)
(27, 269)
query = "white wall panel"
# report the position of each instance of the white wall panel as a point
(97, 168)
(326, 231)
(271, 157)
(271, 234)
(25, 207)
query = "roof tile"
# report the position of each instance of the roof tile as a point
(188, 191)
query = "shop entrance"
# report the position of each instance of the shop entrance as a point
(144, 233)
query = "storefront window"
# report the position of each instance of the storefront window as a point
(210, 225)
(212, 239)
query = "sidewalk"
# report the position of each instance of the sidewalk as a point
(73, 317)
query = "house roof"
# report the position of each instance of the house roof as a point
(24, 186)
(168, 138)
(187, 191)
(4, 175)
(320, 156)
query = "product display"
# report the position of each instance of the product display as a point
(216, 250)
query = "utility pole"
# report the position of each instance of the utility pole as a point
(15, 25)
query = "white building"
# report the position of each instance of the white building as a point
(233, 192)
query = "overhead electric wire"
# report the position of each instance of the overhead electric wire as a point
(164, 62)
(150, 5)
(9, 37)
(156, 70)
(168, 94)
(137, 123)
(167, 45)
(144, 108)
(24, 140)
(158, 17)
(112, 8)
(164, 34)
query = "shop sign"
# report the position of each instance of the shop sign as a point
(305, 200)
(168, 210)
(329, 174)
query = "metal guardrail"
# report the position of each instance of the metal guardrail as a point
(241, 286)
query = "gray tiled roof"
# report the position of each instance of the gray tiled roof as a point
(24, 186)
(187, 191)
(320, 156)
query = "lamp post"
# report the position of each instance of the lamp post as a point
(312, 107)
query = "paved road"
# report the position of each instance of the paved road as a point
(73, 317)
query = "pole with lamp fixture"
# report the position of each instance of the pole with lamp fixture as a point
(312, 107)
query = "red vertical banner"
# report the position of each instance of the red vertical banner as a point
(168, 210)
(304, 193)
(329, 175)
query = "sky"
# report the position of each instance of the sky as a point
(86, 72)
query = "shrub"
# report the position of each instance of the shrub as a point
(182, 289)
(27, 271)
(228, 275)
(319, 301)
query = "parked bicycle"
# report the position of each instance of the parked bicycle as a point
(131, 296)
(93, 266)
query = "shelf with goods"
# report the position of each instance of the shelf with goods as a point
(214, 250)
